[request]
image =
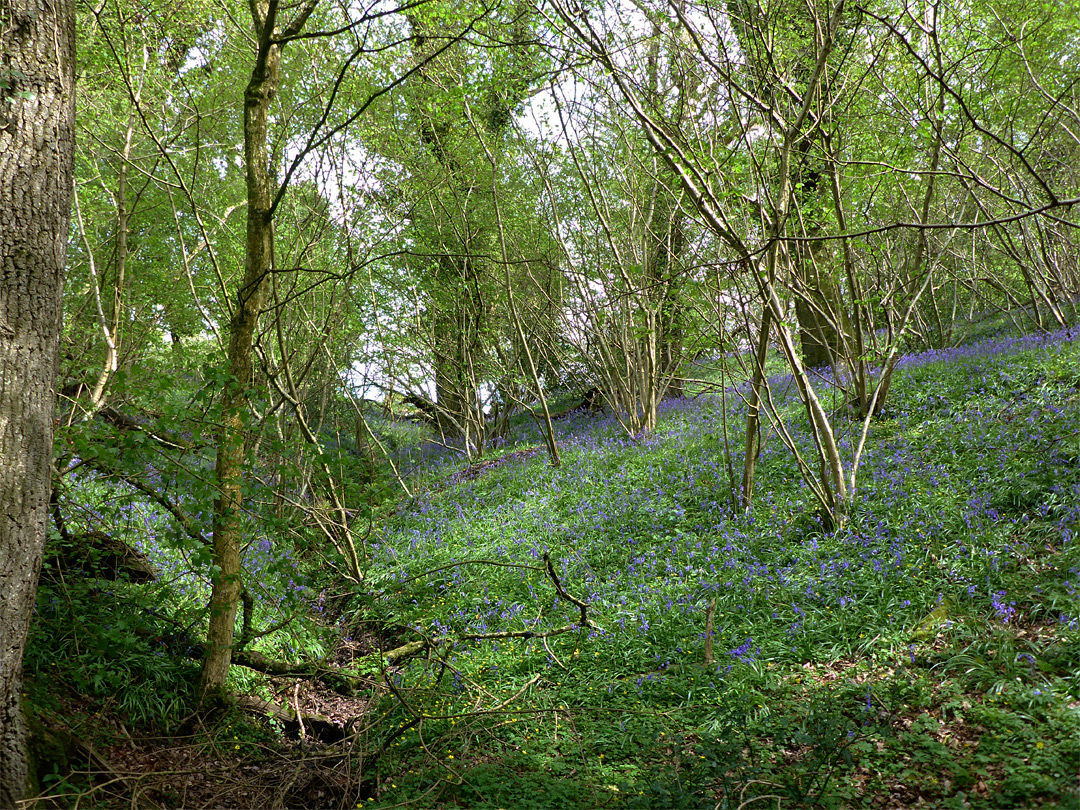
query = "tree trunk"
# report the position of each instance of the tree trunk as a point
(819, 305)
(258, 261)
(753, 410)
(815, 304)
(665, 238)
(672, 308)
(454, 346)
(37, 114)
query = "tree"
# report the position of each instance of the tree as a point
(37, 78)
(122, 267)
(628, 253)
(456, 188)
(262, 273)
(784, 110)
(258, 265)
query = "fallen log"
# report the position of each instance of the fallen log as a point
(331, 676)
(303, 723)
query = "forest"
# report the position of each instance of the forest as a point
(567, 404)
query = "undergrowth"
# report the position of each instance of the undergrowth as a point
(926, 652)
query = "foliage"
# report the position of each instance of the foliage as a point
(492, 210)
(114, 646)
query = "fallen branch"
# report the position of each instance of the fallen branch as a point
(470, 562)
(332, 677)
(582, 606)
(549, 568)
(340, 681)
(321, 726)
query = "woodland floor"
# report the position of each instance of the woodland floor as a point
(926, 655)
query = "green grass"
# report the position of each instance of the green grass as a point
(929, 650)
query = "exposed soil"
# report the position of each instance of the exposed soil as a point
(326, 763)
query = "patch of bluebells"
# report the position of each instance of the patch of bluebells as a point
(267, 566)
(1006, 611)
(644, 531)
(745, 652)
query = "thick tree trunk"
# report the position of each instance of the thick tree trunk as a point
(231, 444)
(815, 306)
(665, 237)
(37, 43)
(454, 393)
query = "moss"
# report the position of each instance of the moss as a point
(50, 751)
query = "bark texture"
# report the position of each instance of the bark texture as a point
(37, 60)
(258, 264)
(231, 450)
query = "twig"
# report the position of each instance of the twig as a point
(747, 802)
(710, 615)
(514, 696)
(247, 635)
(558, 587)
(296, 708)
(554, 657)
(469, 562)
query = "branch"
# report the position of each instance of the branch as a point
(470, 562)
(314, 140)
(583, 606)
(334, 678)
(122, 421)
(160, 498)
(962, 104)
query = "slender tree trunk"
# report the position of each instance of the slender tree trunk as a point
(753, 410)
(258, 264)
(549, 428)
(37, 41)
(227, 583)
(110, 326)
(665, 240)
(672, 312)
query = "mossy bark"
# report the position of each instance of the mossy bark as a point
(258, 264)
